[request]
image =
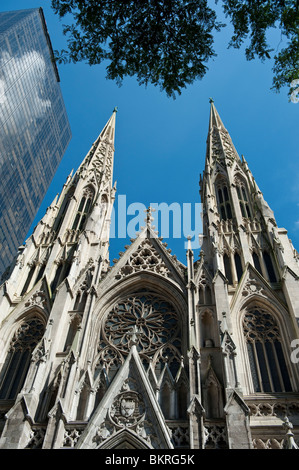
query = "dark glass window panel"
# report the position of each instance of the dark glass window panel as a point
(256, 262)
(76, 222)
(225, 193)
(238, 264)
(18, 359)
(40, 273)
(269, 266)
(283, 367)
(229, 212)
(28, 280)
(263, 367)
(88, 206)
(56, 278)
(174, 367)
(220, 196)
(208, 295)
(20, 375)
(227, 268)
(244, 194)
(223, 213)
(82, 222)
(12, 364)
(248, 211)
(242, 209)
(272, 366)
(253, 368)
(82, 203)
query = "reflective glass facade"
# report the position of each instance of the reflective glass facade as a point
(34, 128)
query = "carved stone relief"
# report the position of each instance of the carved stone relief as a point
(127, 411)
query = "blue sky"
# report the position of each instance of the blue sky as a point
(161, 142)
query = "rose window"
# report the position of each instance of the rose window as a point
(149, 320)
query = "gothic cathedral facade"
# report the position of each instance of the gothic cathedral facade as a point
(149, 353)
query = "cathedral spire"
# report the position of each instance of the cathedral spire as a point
(220, 147)
(99, 159)
(215, 119)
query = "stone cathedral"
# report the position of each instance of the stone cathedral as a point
(149, 353)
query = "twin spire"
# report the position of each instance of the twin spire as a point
(219, 144)
(100, 157)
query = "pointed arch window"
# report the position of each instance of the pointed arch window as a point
(227, 269)
(269, 266)
(151, 323)
(29, 278)
(40, 273)
(72, 331)
(18, 359)
(256, 262)
(165, 400)
(243, 199)
(238, 265)
(264, 345)
(84, 209)
(62, 269)
(224, 205)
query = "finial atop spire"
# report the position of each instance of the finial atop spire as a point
(115, 109)
(211, 100)
(149, 217)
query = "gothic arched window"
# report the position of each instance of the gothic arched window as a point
(227, 268)
(18, 359)
(28, 280)
(84, 209)
(243, 199)
(238, 265)
(224, 205)
(152, 324)
(148, 321)
(269, 266)
(256, 262)
(267, 362)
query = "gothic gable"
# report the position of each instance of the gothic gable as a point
(37, 299)
(147, 254)
(129, 405)
(253, 285)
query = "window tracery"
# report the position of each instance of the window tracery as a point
(84, 209)
(264, 345)
(243, 197)
(224, 204)
(17, 362)
(149, 322)
(269, 266)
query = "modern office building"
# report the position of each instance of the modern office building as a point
(34, 128)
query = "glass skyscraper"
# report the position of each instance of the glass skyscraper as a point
(34, 128)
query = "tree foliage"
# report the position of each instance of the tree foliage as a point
(169, 42)
(254, 19)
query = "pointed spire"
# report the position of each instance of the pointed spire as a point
(99, 160)
(219, 143)
(109, 130)
(215, 119)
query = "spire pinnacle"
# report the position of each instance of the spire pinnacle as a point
(215, 119)
(99, 159)
(219, 140)
(149, 217)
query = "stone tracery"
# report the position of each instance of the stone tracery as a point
(148, 321)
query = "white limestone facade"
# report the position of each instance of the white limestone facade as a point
(149, 353)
